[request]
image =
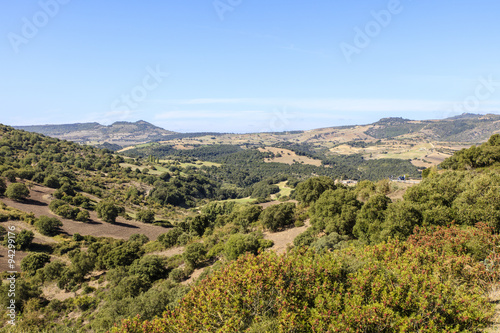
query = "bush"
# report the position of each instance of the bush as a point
(17, 191)
(48, 226)
(140, 238)
(24, 239)
(107, 210)
(145, 215)
(238, 244)
(277, 217)
(53, 270)
(51, 181)
(82, 216)
(34, 261)
(170, 238)
(149, 268)
(194, 253)
(309, 191)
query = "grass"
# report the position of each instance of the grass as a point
(284, 190)
(242, 200)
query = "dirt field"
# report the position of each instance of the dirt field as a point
(288, 157)
(38, 204)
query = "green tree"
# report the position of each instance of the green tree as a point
(107, 210)
(145, 215)
(309, 191)
(279, 216)
(238, 244)
(370, 218)
(194, 254)
(48, 226)
(24, 239)
(34, 261)
(17, 191)
(335, 210)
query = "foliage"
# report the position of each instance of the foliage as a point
(34, 261)
(309, 191)
(48, 226)
(24, 239)
(475, 157)
(336, 211)
(394, 287)
(145, 215)
(278, 216)
(107, 210)
(17, 191)
(238, 244)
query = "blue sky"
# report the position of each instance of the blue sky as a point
(247, 65)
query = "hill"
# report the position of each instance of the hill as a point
(93, 245)
(120, 134)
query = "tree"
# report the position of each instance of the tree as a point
(238, 244)
(48, 226)
(277, 217)
(370, 218)
(145, 215)
(51, 181)
(335, 210)
(169, 238)
(24, 239)
(107, 210)
(194, 254)
(83, 216)
(309, 191)
(140, 238)
(34, 261)
(17, 191)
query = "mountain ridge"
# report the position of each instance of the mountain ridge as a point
(464, 128)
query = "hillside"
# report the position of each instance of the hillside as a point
(122, 133)
(223, 238)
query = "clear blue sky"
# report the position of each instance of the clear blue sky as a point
(248, 65)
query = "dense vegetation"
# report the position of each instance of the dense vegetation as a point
(424, 263)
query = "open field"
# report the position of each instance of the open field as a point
(40, 199)
(288, 157)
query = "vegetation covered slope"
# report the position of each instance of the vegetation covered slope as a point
(425, 263)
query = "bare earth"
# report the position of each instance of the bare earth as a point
(38, 203)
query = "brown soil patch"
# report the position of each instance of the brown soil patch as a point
(168, 252)
(283, 239)
(52, 291)
(288, 157)
(38, 204)
(196, 274)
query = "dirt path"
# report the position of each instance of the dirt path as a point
(38, 204)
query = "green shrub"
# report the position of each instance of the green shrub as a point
(17, 191)
(48, 226)
(278, 216)
(34, 261)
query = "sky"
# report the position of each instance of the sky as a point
(244, 66)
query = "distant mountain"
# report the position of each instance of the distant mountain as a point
(119, 134)
(465, 128)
